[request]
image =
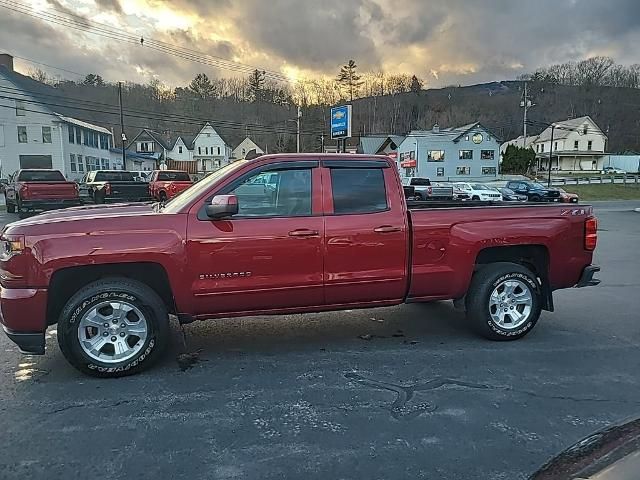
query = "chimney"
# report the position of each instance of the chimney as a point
(436, 128)
(6, 61)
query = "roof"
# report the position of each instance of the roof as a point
(568, 126)
(370, 145)
(80, 123)
(155, 135)
(135, 155)
(251, 143)
(451, 134)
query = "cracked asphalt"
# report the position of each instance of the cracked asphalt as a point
(393, 393)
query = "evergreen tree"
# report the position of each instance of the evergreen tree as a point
(202, 86)
(416, 84)
(349, 79)
(517, 159)
(256, 85)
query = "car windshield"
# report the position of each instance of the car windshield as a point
(180, 201)
(480, 186)
(40, 176)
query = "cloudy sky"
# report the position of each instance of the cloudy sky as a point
(445, 42)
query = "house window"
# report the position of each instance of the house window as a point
(216, 163)
(487, 154)
(145, 147)
(488, 170)
(589, 144)
(555, 146)
(104, 141)
(218, 150)
(204, 164)
(206, 150)
(542, 148)
(180, 149)
(440, 172)
(74, 167)
(85, 137)
(435, 156)
(584, 130)
(575, 145)
(244, 152)
(20, 111)
(463, 170)
(80, 164)
(466, 138)
(22, 135)
(72, 138)
(465, 155)
(78, 135)
(537, 148)
(104, 162)
(200, 153)
(46, 134)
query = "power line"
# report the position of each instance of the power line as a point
(47, 65)
(89, 26)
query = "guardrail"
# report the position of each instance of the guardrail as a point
(600, 179)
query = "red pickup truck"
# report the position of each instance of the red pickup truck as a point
(40, 189)
(166, 184)
(274, 235)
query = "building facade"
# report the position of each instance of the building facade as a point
(244, 147)
(32, 135)
(470, 152)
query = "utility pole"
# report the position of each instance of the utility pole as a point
(553, 127)
(124, 138)
(526, 103)
(298, 127)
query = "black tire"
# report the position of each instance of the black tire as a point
(162, 196)
(98, 197)
(535, 198)
(475, 198)
(477, 302)
(134, 293)
(11, 208)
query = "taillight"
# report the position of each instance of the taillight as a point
(24, 190)
(429, 190)
(107, 188)
(590, 233)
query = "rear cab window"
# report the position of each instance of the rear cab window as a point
(41, 176)
(173, 177)
(358, 190)
(105, 176)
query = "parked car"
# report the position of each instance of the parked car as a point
(166, 184)
(109, 186)
(3, 184)
(480, 192)
(509, 195)
(612, 171)
(568, 197)
(40, 189)
(425, 190)
(534, 191)
(351, 241)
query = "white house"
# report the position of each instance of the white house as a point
(206, 152)
(32, 135)
(578, 145)
(244, 147)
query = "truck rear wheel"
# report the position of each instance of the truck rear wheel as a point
(503, 301)
(11, 208)
(113, 327)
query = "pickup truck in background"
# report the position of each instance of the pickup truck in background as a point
(425, 190)
(535, 192)
(312, 233)
(109, 186)
(166, 184)
(40, 189)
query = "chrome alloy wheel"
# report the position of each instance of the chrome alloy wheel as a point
(112, 331)
(510, 304)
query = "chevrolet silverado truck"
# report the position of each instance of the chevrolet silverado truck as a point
(425, 190)
(330, 232)
(166, 184)
(40, 189)
(111, 186)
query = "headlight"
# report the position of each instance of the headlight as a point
(12, 245)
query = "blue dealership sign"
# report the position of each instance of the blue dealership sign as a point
(341, 121)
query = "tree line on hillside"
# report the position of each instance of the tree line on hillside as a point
(383, 103)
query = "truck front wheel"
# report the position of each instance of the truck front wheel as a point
(503, 301)
(113, 327)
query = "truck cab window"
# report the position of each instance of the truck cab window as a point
(358, 190)
(281, 193)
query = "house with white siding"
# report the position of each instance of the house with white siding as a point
(205, 152)
(244, 147)
(36, 135)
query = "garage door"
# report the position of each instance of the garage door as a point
(35, 161)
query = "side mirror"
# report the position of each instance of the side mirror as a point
(222, 206)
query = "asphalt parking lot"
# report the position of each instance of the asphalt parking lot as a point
(304, 396)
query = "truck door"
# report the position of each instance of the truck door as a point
(366, 233)
(269, 255)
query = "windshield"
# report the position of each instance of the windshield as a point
(189, 195)
(479, 186)
(41, 176)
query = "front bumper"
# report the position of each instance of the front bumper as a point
(23, 314)
(586, 279)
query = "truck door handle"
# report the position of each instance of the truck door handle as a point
(386, 229)
(303, 232)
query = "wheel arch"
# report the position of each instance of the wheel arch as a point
(67, 281)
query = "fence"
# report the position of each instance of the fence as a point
(601, 179)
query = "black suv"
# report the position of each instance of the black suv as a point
(535, 192)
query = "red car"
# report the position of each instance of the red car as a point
(279, 234)
(40, 189)
(166, 184)
(568, 197)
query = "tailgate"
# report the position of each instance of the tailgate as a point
(50, 191)
(129, 190)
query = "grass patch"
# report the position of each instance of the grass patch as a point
(616, 191)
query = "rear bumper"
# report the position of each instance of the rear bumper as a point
(23, 317)
(50, 204)
(586, 279)
(146, 198)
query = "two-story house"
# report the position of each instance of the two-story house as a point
(205, 152)
(34, 135)
(462, 153)
(147, 150)
(578, 145)
(244, 148)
